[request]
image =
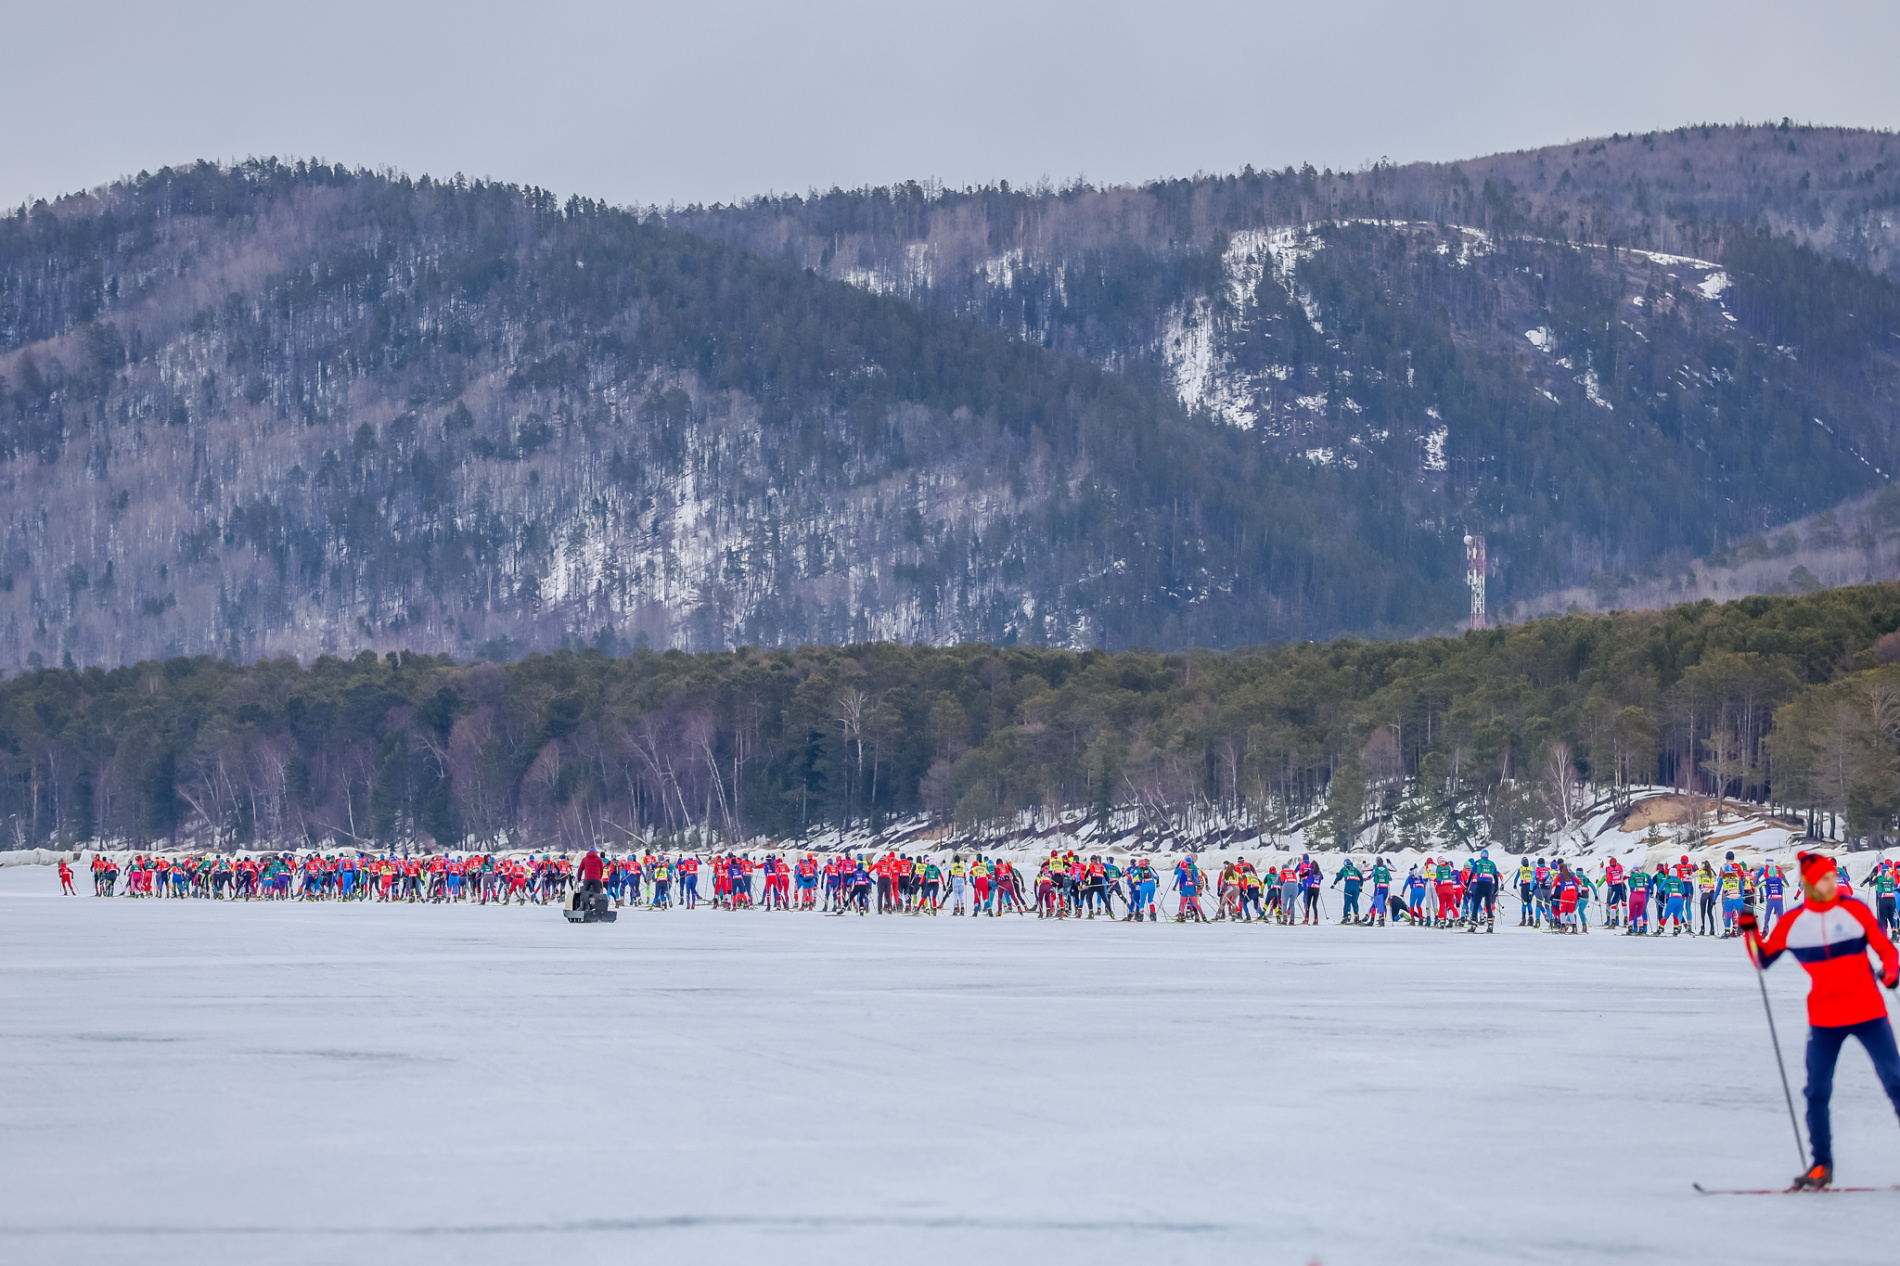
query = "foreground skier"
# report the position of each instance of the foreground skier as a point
(1829, 935)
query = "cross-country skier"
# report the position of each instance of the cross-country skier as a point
(1705, 892)
(1638, 902)
(1676, 901)
(1540, 894)
(1309, 877)
(1354, 881)
(1484, 891)
(1881, 877)
(1415, 896)
(1565, 890)
(1289, 892)
(1187, 882)
(1829, 935)
(1096, 888)
(1731, 888)
(1146, 882)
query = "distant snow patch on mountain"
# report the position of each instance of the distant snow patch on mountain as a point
(1194, 335)
(1000, 272)
(1199, 371)
(1590, 389)
(1676, 261)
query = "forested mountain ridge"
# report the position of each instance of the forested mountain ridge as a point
(1833, 190)
(1521, 279)
(292, 409)
(274, 409)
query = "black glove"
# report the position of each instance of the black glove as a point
(1745, 922)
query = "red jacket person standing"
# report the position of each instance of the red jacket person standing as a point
(592, 869)
(1829, 935)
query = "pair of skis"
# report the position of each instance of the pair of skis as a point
(1785, 1191)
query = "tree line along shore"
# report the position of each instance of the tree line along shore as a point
(1508, 738)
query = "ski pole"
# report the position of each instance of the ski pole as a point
(1761, 980)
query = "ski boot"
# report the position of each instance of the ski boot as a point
(1491, 925)
(1815, 1179)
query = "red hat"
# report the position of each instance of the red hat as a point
(1813, 866)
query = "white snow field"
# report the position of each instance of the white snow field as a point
(189, 1081)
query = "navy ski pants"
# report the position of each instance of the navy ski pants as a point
(1824, 1049)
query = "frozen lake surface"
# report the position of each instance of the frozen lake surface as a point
(194, 1081)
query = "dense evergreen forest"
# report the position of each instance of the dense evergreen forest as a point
(292, 409)
(1501, 736)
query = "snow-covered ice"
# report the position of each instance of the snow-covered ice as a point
(192, 1081)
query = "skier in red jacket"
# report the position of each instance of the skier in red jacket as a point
(1829, 935)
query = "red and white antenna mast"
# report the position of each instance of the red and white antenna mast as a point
(1474, 578)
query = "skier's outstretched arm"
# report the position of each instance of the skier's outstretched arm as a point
(1764, 952)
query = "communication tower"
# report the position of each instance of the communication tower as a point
(1474, 578)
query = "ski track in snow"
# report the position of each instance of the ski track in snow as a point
(295, 1083)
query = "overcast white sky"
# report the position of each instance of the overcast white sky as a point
(703, 100)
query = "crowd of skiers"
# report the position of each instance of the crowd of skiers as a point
(1812, 915)
(1646, 900)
